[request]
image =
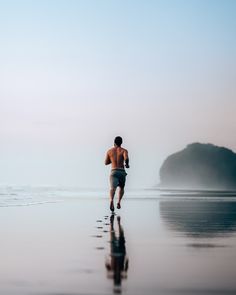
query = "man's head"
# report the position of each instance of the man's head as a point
(118, 141)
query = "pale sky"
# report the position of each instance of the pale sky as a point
(74, 74)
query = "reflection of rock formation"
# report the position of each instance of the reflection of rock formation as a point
(117, 263)
(199, 218)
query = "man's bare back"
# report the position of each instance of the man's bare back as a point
(117, 156)
(119, 160)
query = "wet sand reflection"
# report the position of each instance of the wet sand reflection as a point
(117, 262)
(199, 218)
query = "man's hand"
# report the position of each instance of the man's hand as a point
(126, 158)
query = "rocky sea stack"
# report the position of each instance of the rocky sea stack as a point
(200, 166)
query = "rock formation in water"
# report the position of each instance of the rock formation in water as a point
(200, 166)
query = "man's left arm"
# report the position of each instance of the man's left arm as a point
(107, 159)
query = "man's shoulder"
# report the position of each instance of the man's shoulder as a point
(113, 149)
(110, 150)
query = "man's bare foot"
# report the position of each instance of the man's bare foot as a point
(118, 206)
(112, 206)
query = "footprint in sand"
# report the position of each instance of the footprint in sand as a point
(100, 248)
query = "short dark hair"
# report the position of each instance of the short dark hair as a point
(118, 140)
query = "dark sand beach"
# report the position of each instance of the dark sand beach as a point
(154, 245)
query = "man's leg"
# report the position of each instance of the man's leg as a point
(120, 196)
(114, 184)
(112, 194)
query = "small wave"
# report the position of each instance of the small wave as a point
(28, 204)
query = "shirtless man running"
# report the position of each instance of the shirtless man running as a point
(119, 159)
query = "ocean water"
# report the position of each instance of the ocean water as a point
(65, 241)
(36, 195)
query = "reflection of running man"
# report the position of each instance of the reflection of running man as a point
(117, 264)
(117, 157)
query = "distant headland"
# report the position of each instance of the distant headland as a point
(200, 166)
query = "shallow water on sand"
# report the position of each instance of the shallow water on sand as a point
(154, 245)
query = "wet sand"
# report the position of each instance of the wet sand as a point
(157, 245)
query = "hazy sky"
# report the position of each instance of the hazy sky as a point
(74, 74)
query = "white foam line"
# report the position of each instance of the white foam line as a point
(29, 204)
